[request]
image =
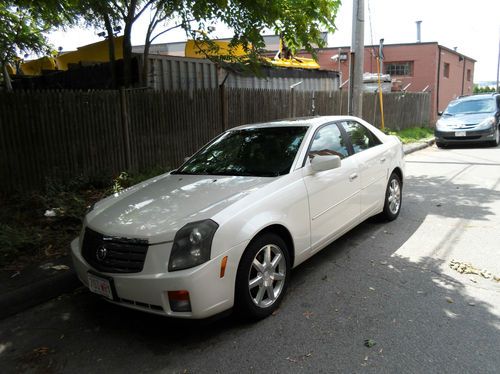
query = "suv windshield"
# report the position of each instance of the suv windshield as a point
(470, 106)
(262, 152)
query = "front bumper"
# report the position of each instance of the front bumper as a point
(148, 290)
(471, 136)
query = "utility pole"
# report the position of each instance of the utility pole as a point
(355, 98)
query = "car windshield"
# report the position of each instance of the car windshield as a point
(262, 152)
(470, 106)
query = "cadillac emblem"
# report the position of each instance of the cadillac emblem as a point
(101, 253)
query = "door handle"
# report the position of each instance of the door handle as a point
(382, 159)
(353, 176)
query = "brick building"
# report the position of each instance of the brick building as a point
(444, 72)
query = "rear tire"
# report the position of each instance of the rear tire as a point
(393, 198)
(262, 277)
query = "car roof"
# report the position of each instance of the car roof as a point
(297, 122)
(477, 97)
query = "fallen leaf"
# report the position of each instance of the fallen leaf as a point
(41, 350)
(308, 314)
(450, 300)
(370, 343)
(60, 267)
(324, 277)
(472, 304)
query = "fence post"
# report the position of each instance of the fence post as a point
(224, 106)
(125, 125)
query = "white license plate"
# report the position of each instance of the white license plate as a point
(460, 133)
(100, 286)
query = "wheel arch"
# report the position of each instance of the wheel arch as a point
(397, 170)
(284, 234)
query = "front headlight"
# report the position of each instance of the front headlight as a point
(192, 245)
(486, 124)
(441, 126)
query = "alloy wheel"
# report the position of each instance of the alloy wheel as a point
(394, 198)
(267, 275)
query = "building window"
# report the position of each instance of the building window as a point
(468, 75)
(399, 68)
(446, 71)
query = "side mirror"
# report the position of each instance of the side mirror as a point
(440, 113)
(322, 163)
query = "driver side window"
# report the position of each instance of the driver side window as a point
(328, 141)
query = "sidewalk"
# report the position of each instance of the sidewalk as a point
(23, 289)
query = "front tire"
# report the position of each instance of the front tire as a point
(393, 198)
(263, 276)
(494, 143)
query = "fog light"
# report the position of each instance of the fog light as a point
(179, 301)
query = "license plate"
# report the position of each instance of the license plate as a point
(100, 286)
(460, 133)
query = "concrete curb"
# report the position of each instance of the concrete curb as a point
(417, 146)
(37, 292)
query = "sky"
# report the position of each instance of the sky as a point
(471, 26)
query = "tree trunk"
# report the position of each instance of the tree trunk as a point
(145, 63)
(6, 77)
(127, 56)
(127, 45)
(111, 50)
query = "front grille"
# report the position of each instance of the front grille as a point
(142, 305)
(112, 254)
(458, 138)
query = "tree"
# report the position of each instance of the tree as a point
(102, 14)
(300, 22)
(23, 25)
(486, 89)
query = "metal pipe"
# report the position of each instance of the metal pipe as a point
(419, 23)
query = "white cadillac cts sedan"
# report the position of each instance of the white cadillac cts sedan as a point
(225, 229)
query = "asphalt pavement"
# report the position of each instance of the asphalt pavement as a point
(386, 285)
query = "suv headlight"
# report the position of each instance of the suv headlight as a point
(192, 245)
(486, 124)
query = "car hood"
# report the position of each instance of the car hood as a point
(156, 210)
(458, 120)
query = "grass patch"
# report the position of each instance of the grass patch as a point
(412, 134)
(27, 235)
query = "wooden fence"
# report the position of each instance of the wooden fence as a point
(64, 134)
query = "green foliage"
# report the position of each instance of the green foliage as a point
(23, 25)
(412, 134)
(27, 233)
(16, 239)
(479, 90)
(299, 22)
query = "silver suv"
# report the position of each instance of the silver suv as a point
(470, 119)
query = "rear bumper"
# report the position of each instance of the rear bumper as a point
(472, 136)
